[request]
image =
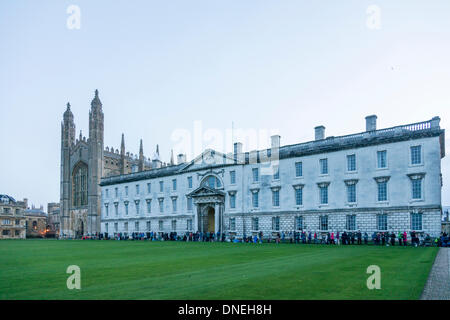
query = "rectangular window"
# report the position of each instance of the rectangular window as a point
(107, 193)
(351, 193)
(382, 191)
(417, 189)
(174, 204)
(276, 223)
(351, 222)
(116, 209)
(149, 225)
(174, 184)
(416, 221)
(149, 206)
(382, 159)
(323, 195)
(189, 204)
(149, 187)
(416, 155)
(161, 225)
(232, 177)
(106, 210)
(299, 196)
(323, 223)
(189, 182)
(351, 162)
(382, 222)
(233, 224)
(116, 192)
(126, 191)
(126, 208)
(299, 169)
(137, 189)
(323, 166)
(255, 224)
(137, 207)
(276, 198)
(189, 224)
(255, 199)
(136, 226)
(125, 226)
(255, 173)
(276, 172)
(299, 223)
(116, 227)
(161, 205)
(174, 225)
(232, 201)
(161, 186)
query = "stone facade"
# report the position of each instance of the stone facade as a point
(12, 219)
(377, 180)
(84, 161)
(36, 222)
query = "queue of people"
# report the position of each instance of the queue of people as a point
(304, 237)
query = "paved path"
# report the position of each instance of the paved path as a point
(438, 283)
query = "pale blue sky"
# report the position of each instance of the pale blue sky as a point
(161, 65)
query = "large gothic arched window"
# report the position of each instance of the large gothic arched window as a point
(79, 185)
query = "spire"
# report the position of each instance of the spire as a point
(122, 145)
(171, 158)
(96, 103)
(68, 113)
(156, 155)
(141, 157)
(81, 135)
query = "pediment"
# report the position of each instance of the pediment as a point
(205, 191)
(208, 158)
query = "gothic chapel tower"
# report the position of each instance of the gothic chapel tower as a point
(67, 141)
(81, 171)
(95, 144)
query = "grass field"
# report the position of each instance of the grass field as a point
(36, 269)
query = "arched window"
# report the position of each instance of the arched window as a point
(211, 182)
(79, 185)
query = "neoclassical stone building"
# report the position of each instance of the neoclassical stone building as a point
(84, 161)
(377, 180)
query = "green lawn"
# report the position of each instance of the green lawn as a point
(36, 269)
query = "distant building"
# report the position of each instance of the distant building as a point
(36, 222)
(12, 219)
(374, 181)
(446, 220)
(53, 210)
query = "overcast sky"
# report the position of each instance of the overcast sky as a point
(160, 66)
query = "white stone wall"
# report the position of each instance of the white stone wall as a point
(398, 206)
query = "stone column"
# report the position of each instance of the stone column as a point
(216, 217)
(196, 213)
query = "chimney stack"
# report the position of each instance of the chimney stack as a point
(275, 141)
(319, 132)
(237, 150)
(371, 123)
(181, 158)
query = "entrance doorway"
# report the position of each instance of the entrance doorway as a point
(211, 220)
